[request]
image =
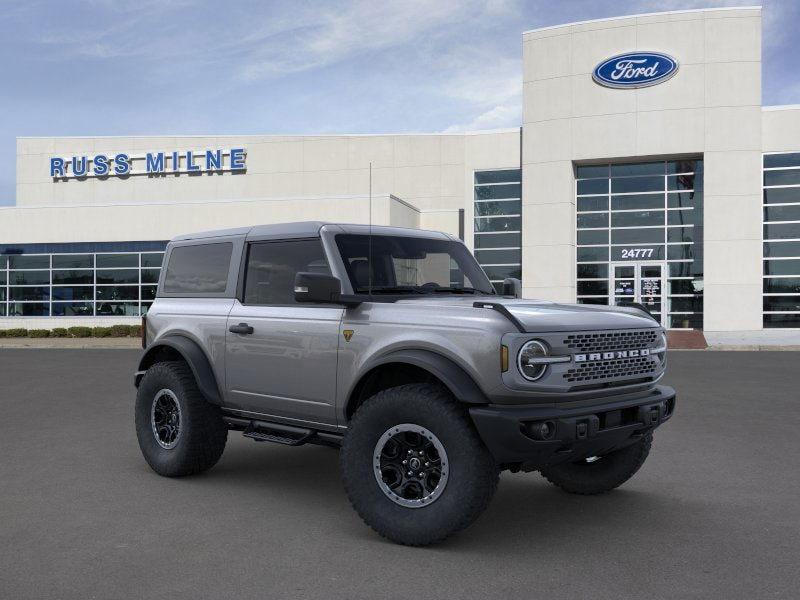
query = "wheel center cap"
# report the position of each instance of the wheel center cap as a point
(414, 463)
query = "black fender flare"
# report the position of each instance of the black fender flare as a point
(194, 356)
(454, 377)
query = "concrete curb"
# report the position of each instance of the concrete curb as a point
(72, 343)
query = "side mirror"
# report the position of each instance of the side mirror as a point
(317, 287)
(512, 287)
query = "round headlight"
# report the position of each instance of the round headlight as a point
(526, 360)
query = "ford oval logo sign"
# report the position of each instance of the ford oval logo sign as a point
(635, 70)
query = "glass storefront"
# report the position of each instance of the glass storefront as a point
(781, 278)
(640, 237)
(75, 284)
(498, 223)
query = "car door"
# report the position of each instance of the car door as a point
(281, 356)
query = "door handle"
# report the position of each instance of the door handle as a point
(242, 328)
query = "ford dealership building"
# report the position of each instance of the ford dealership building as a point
(645, 169)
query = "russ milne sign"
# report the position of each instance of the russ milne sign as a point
(635, 70)
(152, 163)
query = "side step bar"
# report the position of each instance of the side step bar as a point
(280, 433)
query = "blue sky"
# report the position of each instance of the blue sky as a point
(152, 67)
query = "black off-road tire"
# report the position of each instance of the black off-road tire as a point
(604, 474)
(203, 433)
(472, 478)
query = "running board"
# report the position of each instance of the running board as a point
(261, 431)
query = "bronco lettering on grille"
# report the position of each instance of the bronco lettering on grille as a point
(611, 355)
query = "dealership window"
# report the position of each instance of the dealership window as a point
(640, 237)
(78, 283)
(781, 279)
(498, 223)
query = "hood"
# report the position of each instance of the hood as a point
(539, 316)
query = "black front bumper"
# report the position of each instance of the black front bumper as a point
(513, 434)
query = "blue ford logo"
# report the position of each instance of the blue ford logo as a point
(635, 70)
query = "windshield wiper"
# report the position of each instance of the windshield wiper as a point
(457, 290)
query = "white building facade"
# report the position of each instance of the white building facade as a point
(658, 178)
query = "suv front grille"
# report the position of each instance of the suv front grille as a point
(607, 341)
(617, 368)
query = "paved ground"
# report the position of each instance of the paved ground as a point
(713, 514)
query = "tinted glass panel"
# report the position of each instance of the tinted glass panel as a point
(592, 237)
(494, 257)
(271, 269)
(28, 309)
(28, 277)
(681, 182)
(73, 277)
(683, 286)
(681, 251)
(29, 293)
(593, 220)
(592, 254)
(503, 272)
(29, 262)
(652, 168)
(483, 209)
(684, 199)
(682, 269)
(73, 309)
(592, 271)
(117, 260)
(73, 293)
(637, 202)
(694, 304)
(498, 176)
(782, 303)
(637, 219)
(597, 203)
(684, 217)
(779, 249)
(73, 261)
(790, 177)
(782, 285)
(603, 301)
(782, 160)
(491, 192)
(593, 288)
(680, 234)
(593, 186)
(686, 321)
(150, 275)
(149, 292)
(118, 276)
(2, 277)
(118, 292)
(498, 224)
(199, 269)
(782, 267)
(498, 240)
(587, 171)
(637, 184)
(782, 231)
(782, 320)
(684, 166)
(117, 309)
(782, 195)
(782, 213)
(637, 236)
(152, 260)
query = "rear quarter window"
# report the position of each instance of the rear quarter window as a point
(198, 269)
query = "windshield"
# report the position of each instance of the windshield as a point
(411, 265)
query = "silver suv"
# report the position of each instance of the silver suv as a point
(393, 345)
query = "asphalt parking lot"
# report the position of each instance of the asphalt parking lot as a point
(714, 513)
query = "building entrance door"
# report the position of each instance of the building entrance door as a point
(639, 282)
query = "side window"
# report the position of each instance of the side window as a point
(272, 266)
(198, 269)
